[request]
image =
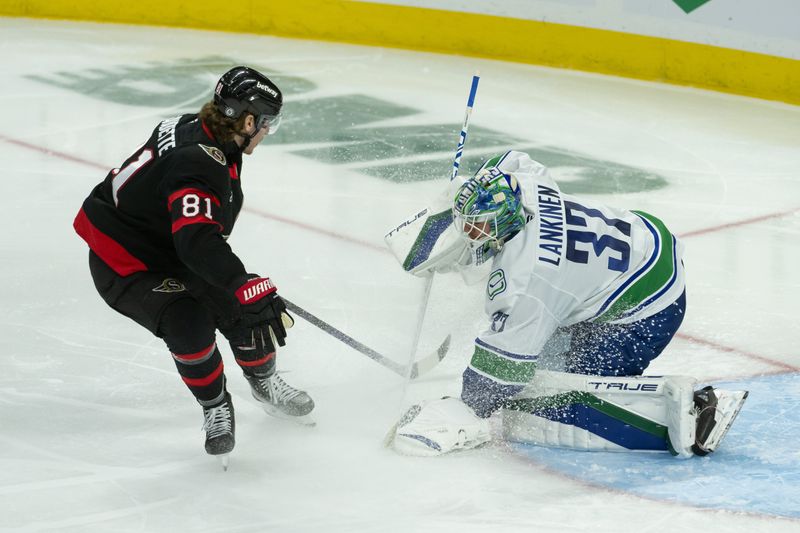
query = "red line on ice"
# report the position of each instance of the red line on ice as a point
(721, 347)
(739, 223)
(690, 338)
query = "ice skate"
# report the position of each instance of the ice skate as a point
(281, 400)
(220, 427)
(716, 411)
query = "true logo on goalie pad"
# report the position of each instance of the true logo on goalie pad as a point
(610, 386)
(407, 222)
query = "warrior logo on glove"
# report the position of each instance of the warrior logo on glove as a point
(258, 287)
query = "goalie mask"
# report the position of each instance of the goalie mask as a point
(487, 212)
(243, 89)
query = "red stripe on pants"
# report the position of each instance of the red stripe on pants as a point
(257, 362)
(197, 355)
(202, 382)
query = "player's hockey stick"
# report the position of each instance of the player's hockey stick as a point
(418, 368)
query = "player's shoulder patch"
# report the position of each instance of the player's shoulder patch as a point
(215, 154)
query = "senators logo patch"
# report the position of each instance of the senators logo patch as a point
(216, 154)
(170, 285)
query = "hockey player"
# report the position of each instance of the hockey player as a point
(608, 282)
(157, 228)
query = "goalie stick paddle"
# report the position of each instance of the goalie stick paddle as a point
(419, 368)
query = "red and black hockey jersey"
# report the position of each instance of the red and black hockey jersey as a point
(170, 207)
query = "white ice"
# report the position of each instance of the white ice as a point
(97, 432)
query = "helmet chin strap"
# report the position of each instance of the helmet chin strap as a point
(247, 138)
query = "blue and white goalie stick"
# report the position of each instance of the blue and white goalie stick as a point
(429, 361)
(422, 243)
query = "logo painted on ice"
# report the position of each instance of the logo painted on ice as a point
(496, 284)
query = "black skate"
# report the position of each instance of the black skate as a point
(280, 399)
(716, 411)
(220, 427)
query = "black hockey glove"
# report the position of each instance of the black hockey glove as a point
(263, 320)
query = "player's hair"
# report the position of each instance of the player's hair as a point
(222, 127)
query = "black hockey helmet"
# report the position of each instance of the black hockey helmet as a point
(243, 89)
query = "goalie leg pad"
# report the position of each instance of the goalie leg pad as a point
(695, 421)
(437, 427)
(681, 415)
(604, 412)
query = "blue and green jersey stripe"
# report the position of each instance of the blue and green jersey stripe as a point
(502, 366)
(653, 279)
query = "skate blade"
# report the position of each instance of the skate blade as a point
(729, 403)
(303, 420)
(224, 460)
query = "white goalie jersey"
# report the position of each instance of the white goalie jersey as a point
(576, 260)
(573, 261)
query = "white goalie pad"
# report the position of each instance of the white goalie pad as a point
(605, 413)
(436, 427)
(426, 241)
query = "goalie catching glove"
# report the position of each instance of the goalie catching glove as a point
(263, 321)
(436, 427)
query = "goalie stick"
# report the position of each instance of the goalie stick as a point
(413, 371)
(462, 139)
(418, 368)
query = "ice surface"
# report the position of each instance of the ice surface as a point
(97, 432)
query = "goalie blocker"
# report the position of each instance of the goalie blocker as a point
(594, 413)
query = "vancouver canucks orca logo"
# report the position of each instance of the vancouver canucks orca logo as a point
(496, 284)
(215, 153)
